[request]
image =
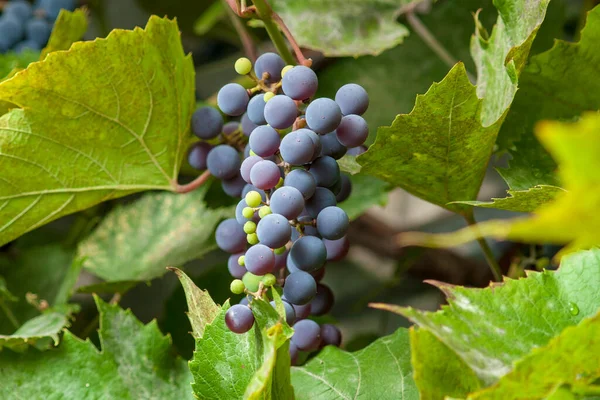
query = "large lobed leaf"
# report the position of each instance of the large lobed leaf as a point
(490, 329)
(137, 241)
(69, 27)
(440, 150)
(344, 28)
(102, 120)
(381, 370)
(136, 362)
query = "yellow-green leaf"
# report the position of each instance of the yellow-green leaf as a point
(102, 120)
(70, 26)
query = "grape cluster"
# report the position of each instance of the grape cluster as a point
(26, 26)
(280, 158)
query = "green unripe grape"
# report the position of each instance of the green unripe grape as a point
(248, 212)
(249, 227)
(264, 211)
(252, 153)
(269, 280)
(243, 66)
(279, 184)
(252, 238)
(253, 199)
(268, 96)
(279, 251)
(237, 286)
(242, 261)
(286, 69)
(251, 281)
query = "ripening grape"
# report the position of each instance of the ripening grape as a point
(251, 281)
(308, 253)
(198, 154)
(297, 147)
(300, 83)
(322, 302)
(300, 288)
(307, 335)
(233, 99)
(264, 141)
(223, 161)
(270, 63)
(330, 335)
(332, 223)
(265, 174)
(234, 267)
(256, 109)
(290, 313)
(281, 112)
(331, 146)
(233, 186)
(38, 31)
(247, 165)
(302, 311)
(239, 318)
(259, 259)
(322, 198)
(20, 10)
(247, 125)
(293, 354)
(301, 180)
(230, 236)
(352, 99)
(287, 201)
(336, 249)
(325, 170)
(345, 189)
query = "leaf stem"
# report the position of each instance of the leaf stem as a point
(288, 34)
(431, 41)
(11, 317)
(193, 185)
(487, 251)
(242, 32)
(265, 13)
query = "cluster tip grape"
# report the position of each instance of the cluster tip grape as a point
(24, 26)
(280, 160)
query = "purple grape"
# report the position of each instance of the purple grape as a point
(301, 180)
(319, 274)
(11, 29)
(247, 125)
(270, 63)
(280, 260)
(234, 267)
(223, 162)
(353, 131)
(239, 318)
(307, 335)
(331, 146)
(287, 201)
(265, 175)
(274, 231)
(207, 123)
(247, 165)
(233, 187)
(299, 288)
(352, 99)
(232, 99)
(322, 198)
(256, 109)
(316, 139)
(325, 170)
(332, 223)
(20, 10)
(198, 154)
(264, 141)
(38, 31)
(230, 236)
(259, 259)
(302, 312)
(300, 83)
(281, 112)
(323, 115)
(322, 302)
(244, 301)
(336, 187)
(297, 147)
(356, 151)
(345, 189)
(293, 354)
(308, 253)
(337, 249)
(290, 313)
(230, 128)
(330, 335)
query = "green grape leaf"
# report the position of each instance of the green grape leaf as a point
(491, 328)
(572, 217)
(367, 191)
(47, 271)
(41, 331)
(566, 359)
(10, 63)
(438, 371)
(521, 200)
(348, 164)
(139, 240)
(202, 310)
(438, 152)
(380, 370)
(226, 365)
(340, 29)
(557, 84)
(70, 26)
(115, 127)
(136, 362)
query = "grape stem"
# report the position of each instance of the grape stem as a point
(487, 251)
(242, 32)
(193, 185)
(9, 314)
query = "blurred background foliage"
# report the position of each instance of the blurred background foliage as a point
(376, 268)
